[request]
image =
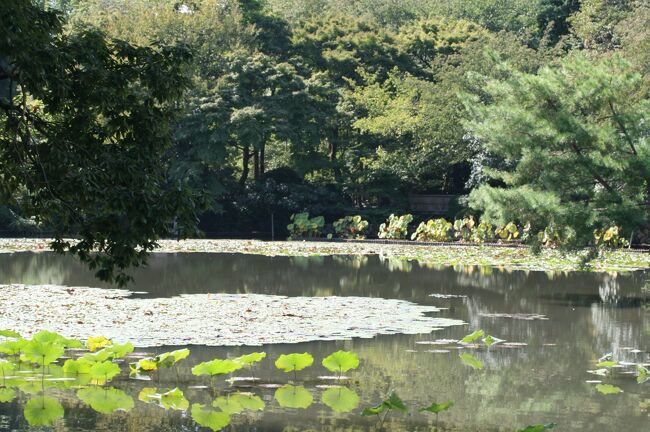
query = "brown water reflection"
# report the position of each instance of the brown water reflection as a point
(589, 314)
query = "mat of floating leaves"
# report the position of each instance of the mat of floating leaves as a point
(208, 319)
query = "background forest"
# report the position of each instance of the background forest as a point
(533, 110)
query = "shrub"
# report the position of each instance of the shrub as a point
(463, 228)
(433, 230)
(351, 227)
(556, 236)
(610, 238)
(508, 232)
(303, 226)
(483, 232)
(396, 227)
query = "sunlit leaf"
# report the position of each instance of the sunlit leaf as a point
(95, 343)
(294, 362)
(119, 350)
(289, 396)
(12, 347)
(216, 367)
(606, 364)
(608, 389)
(340, 399)
(45, 336)
(106, 400)
(238, 402)
(7, 394)
(76, 367)
(341, 361)
(473, 337)
(374, 410)
(251, 358)
(206, 417)
(472, 361)
(10, 334)
(105, 370)
(643, 375)
(43, 353)
(395, 402)
(173, 399)
(43, 411)
(6, 366)
(438, 408)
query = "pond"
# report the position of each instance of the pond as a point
(557, 326)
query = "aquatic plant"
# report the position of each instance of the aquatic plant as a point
(393, 402)
(42, 353)
(102, 372)
(643, 374)
(216, 367)
(209, 418)
(538, 428)
(508, 232)
(166, 359)
(289, 396)
(395, 228)
(340, 399)
(303, 226)
(106, 400)
(173, 399)
(10, 334)
(239, 402)
(95, 343)
(434, 230)
(471, 361)
(463, 228)
(294, 362)
(608, 389)
(437, 408)
(43, 411)
(351, 227)
(341, 362)
(473, 337)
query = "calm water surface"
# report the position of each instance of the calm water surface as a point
(588, 315)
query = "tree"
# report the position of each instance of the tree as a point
(84, 138)
(576, 137)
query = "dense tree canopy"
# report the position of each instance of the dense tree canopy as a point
(329, 106)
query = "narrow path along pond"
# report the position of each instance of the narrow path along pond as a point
(555, 327)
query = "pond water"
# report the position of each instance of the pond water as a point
(567, 321)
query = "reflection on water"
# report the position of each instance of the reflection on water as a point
(588, 315)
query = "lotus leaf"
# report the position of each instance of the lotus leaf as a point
(643, 375)
(239, 402)
(46, 336)
(6, 366)
(43, 411)
(438, 408)
(608, 389)
(104, 371)
(294, 362)
(216, 367)
(7, 394)
(472, 361)
(606, 364)
(341, 361)
(251, 358)
(289, 396)
(106, 400)
(473, 337)
(206, 417)
(76, 367)
(340, 399)
(95, 343)
(12, 347)
(43, 353)
(10, 334)
(173, 399)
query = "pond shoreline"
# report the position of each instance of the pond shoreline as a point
(516, 258)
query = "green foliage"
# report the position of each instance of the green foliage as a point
(483, 232)
(173, 399)
(395, 228)
(471, 361)
(610, 237)
(508, 232)
(209, 418)
(106, 400)
(104, 371)
(538, 428)
(294, 362)
(166, 360)
(341, 361)
(464, 227)
(95, 343)
(216, 367)
(608, 389)
(289, 396)
(351, 227)
(434, 230)
(340, 399)
(302, 226)
(643, 374)
(43, 411)
(555, 236)
(473, 337)
(249, 359)
(393, 402)
(239, 402)
(9, 334)
(438, 408)
(42, 353)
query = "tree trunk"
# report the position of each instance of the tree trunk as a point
(262, 168)
(246, 157)
(256, 164)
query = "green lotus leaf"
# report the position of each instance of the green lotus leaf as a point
(608, 389)
(216, 367)
(472, 361)
(46, 336)
(289, 396)
(395, 402)
(147, 394)
(340, 399)
(538, 428)
(77, 367)
(7, 394)
(215, 420)
(239, 402)
(144, 365)
(606, 364)
(341, 361)
(438, 408)
(374, 410)
(98, 357)
(104, 371)
(95, 343)
(43, 411)
(106, 400)
(251, 358)
(119, 350)
(43, 353)
(643, 375)
(10, 334)
(294, 362)
(168, 359)
(473, 337)
(6, 366)
(12, 347)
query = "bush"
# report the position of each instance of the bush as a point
(464, 228)
(433, 230)
(483, 232)
(303, 226)
(351, 227)
(610, 238)
(396, 228)
(508, 232)
(555, 236)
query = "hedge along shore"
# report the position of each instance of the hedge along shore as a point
(520, 258)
